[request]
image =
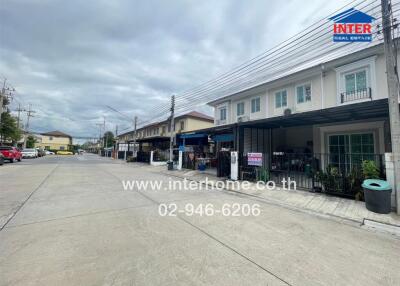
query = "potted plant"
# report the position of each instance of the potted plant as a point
(354, 181)
(330, 179)
(369, 170)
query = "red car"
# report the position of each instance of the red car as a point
(10, 153)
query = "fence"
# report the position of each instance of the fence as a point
(121, 154)
(189, 160)
(143, 156)
(339, 174)
(224, 164)
(161, 155)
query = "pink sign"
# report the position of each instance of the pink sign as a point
(254, 159)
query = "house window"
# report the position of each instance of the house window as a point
(255, 105)
(51, 138)
(349, 150)
(355, 81)
(222, 113)
(240, 109)
(281, 99)
(62, 148)
(182, 125)
(163, 129)
(303, 93)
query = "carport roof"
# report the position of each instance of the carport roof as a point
(228, 128)
(349, 112)
(153, 139)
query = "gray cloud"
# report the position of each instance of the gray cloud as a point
(71, 58)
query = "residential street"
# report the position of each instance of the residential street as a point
(68, 221)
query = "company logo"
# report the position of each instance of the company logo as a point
(352, 26)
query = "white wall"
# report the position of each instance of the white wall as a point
(325, 88)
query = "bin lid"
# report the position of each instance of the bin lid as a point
(376, 185)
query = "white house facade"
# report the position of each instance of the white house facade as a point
(336, 110)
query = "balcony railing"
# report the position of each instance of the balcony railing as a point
(360, 94)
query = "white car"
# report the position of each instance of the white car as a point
(49, 152)
(29, 153)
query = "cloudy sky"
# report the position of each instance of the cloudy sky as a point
(70, 59)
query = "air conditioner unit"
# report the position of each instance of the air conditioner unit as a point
(243, 118)
(287, 111)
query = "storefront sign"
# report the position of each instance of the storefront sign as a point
(254, 159)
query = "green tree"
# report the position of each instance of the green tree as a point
(108, 139)
(9, 129)
(30, 142)
(6, 101)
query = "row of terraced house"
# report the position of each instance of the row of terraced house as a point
(316, 124)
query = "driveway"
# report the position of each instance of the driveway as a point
(69, 221)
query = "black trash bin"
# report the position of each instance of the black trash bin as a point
(170, 165)
(377, 195)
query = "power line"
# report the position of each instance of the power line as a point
(284, 54)
(292, 46)
(296, 59)
(311, 47)
(279, 48)
(119, 112)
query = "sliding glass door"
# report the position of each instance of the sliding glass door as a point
(349, 150)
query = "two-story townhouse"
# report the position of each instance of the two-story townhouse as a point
(156, 136)
(54, 140)
(334, 114)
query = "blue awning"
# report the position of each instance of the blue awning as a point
(223, 138)
(193, 135)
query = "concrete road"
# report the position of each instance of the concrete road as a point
(68, 221)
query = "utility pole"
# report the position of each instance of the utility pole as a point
(100, 125)
(29, 113)
(19, 110)
(393, 94)
(134, 136)
(116, 143)
(2, 94)
(104, 131)
(172, 128)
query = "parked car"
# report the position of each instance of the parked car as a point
(29, 153)
(41, 152)
(62, 152)
(1, 159)
(17, 154)
(10, 153)
(49, 152)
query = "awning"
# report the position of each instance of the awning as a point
(192, 135)
(223, 138)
